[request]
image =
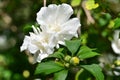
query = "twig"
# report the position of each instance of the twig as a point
(44, 3)
(88, 14)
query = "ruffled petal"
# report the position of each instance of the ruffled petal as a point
(46, 15)
(69, 29)
(54, 14)
(32, 48)
(71, 26)
(64, 12)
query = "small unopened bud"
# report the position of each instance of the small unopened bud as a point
(67, 58)
(67, 65)
(75, 61)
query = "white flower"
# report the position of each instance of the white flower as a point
(55, 28)
(116, 42)
(55, 19)
(39, 42)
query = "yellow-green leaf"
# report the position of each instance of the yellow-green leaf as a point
(90, 4)
(75, 2)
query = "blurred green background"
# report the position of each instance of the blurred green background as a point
(17, 17)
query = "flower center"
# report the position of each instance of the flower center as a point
(45, 39)
(55, 28)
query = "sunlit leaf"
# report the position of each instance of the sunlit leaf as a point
(86, 52)
(75, 2)
(90, 4)
(111, 24)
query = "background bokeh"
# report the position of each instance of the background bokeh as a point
(17, 17)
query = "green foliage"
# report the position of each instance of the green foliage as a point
(61, 75)
(48, 68)
(83, 74)
(17, 18)
(27, 28)
(75, 2)
(90, 4)
(5, 74)
(86, 52)
(73, 46)
(57, 55)
(95, 70)
(65, 62)
(117, 23)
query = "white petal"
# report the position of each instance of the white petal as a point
(70, 29)
(47, 14)
(35, 57)
(117, 73)
(116, 34)
(115, 48)
(39, 31)
(32, 48)
(34, 29)
(62, 42)
(44, 28)
(50, 50)
(54, 14)
(52, 41)
(25, 43)
(32, 35)
(41, 57)
(64, 12)
(72, 25)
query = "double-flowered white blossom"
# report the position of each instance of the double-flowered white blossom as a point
(56, 19)
(38, 41)
(55, 27)
(116, 42)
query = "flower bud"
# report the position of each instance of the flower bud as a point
(67, 65)
(74, 61)
(67, 58)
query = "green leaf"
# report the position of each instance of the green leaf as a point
(117, 22)
(61, 75)
(60, 49)
(86, 52)
(57, 55)
(95, 70)
(75, 2)
(27, 28)
(73, 45)
(83, 74)
(48, 67)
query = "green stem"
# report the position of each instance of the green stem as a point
(78, 73)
